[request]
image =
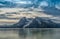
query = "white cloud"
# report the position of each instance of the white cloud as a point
(24, 2)
(1, 4)
(57, 6)
(44, 3)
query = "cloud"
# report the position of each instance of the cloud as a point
(57, 6)
(44, 3)
(24, 2)
(29, 3)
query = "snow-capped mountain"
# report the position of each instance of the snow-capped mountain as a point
(35, 23)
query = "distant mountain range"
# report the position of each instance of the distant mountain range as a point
(36, 23)
(33, 23)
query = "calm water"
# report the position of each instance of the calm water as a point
(29, 33)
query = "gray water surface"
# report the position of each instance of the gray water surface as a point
(29, 33)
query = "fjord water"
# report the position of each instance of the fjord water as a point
(29, 33)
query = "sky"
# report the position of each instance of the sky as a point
(39, 3)
(45, 2)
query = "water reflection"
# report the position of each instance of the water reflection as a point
(30, 33)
